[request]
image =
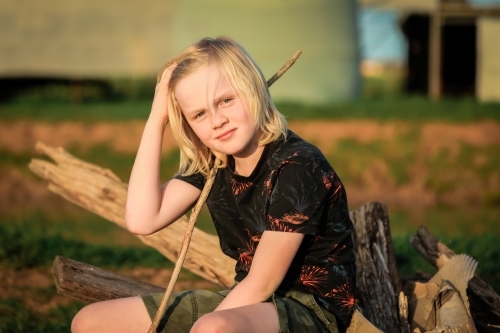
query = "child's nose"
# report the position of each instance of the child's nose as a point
(218, 119)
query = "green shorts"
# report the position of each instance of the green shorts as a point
(297, 312)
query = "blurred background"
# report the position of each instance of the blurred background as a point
(402, 96)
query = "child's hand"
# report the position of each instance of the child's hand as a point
(159, 109)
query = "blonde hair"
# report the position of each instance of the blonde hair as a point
(248, 82)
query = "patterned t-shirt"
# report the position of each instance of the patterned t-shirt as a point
(293, 188)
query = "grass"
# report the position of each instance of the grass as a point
(15, 317)
(353, 158)
(32, 244)
(382, 99)
(404, 108)
(482, 248)
(458, 222)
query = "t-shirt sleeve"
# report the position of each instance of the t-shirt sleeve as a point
(196, 179)
(298, 198)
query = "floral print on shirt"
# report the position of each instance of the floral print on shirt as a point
(292, 189)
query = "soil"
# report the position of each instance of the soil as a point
(20, 136)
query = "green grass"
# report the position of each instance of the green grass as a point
(442, 220)
(352, 158)
(32, 244)
(15, 317)
(406, 108)
(484, 249)
(382, 99)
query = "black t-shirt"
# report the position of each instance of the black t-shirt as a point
(293, 188)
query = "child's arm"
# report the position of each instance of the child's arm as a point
(270, 264)
(150, 207)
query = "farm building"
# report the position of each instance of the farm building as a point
(93, 39)
(453, 47)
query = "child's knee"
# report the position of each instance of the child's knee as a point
(83, 321)
(212, 323)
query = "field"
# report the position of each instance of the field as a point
(432, 163)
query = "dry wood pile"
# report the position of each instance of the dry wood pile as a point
(380, 290)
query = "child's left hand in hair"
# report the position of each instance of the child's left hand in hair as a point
(159, 109)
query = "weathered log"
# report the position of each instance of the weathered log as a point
(103, 193)
(84, 282)
(484, 301)
(377, 277)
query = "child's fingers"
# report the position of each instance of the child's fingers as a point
(165, 70)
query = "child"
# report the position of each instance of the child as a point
(279, 208)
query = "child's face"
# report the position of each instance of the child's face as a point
(215, 112)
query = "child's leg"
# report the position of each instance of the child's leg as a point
(261, 317)
(119, 315)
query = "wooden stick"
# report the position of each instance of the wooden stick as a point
(194, 215)
(184, 248)
(283, 69)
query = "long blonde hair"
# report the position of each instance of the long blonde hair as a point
(248, 82)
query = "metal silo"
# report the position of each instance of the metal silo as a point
(272, 30)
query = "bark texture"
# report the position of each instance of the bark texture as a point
(84, 282)
(377, 277)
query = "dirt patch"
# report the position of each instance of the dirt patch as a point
(21, 136)
(438, 137)
(19, 193)
(34, 286)
(325, 133)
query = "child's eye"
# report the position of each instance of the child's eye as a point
(199, 115)
(226, 100)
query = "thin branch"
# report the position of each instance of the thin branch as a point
(283, 69)
(184, 248)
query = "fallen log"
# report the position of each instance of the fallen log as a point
(102, 192)
(484, 301)
(84, 282)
